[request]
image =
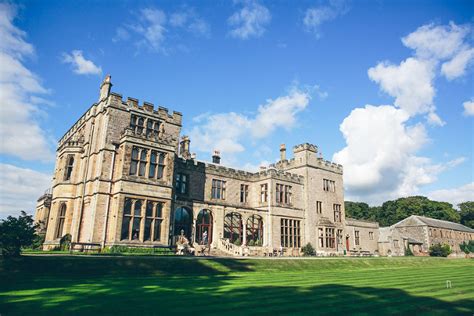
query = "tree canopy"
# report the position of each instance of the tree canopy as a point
(394, 211)
(467, 213)
(16, 233)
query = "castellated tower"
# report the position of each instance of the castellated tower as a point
(323, 196)
(118, 153)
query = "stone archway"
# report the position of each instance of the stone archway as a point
(204, 227)
(183, 221)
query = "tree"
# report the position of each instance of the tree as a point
(439, 250)
(16, 233)
(359, 210)
(308, 250)
(394, 211)
(467, 213)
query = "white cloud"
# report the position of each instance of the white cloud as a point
(152, 29)
(410, 83)
(448, 43)
(21, 188)
(121, 34)
(434, 119)
(20, 131)
(378, 146)
(234, 129)
(381, 159)
(190, 20)
(280, 112)
(437, 41)
(249, 21)
(156, 27)
(454, 196)
(457, 66)
(469, 108)
(316, 16)
(81, 66)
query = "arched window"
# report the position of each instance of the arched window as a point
(69, 167)
(61, 219)
(233, 227)
(204, 227)
(182, 222)
(254, 230)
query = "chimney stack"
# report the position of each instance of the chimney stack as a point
(105, 88)
(216, 157)
(282, 152)
(184, 147)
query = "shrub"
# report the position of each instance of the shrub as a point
(251, 243)
(439, 250)
(308, 250)
(38, 242)
(65, 242)
(408, 252)
(258, 243)
(16, 233)
(135, 250)
(237, 242)
(467, 247)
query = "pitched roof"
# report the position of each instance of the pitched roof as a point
(443, 224)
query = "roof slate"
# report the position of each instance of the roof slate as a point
(443, 224)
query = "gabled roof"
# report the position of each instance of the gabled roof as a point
(437, 223)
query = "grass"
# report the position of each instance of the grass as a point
(56, 285)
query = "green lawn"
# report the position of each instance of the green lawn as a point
(33, 285)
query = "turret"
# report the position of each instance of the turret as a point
(105, 88)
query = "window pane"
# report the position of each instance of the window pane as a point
(160, 172)
(125, 227)
(141, 171)
(152, 171)
(157, 233)
(159, 208)
(134, 153)
(147, 232)
(153, 156)
(133, 168)
(149, 209)
(138, 208)
(127, 210)
(136, 228)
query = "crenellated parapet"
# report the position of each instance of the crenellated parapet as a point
(226, 172)
(305, 146)
(147, 108)
(162, 137)
(274, 173)
(112, 99)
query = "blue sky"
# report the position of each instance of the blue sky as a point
(383, 87)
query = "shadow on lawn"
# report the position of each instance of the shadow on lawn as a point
(156, 286)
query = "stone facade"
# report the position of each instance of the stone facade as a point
(362, 236)
(419, 233)
(124, 176)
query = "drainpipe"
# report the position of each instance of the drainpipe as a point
(112, 168)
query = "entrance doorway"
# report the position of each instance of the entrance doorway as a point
(182, 222)
(204, 227)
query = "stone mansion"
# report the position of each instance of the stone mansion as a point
(125, 176)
